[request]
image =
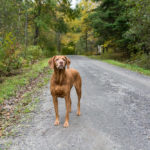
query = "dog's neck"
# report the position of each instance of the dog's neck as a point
(60, 75)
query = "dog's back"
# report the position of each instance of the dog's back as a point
(72, 73)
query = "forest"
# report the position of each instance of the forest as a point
(34, 29)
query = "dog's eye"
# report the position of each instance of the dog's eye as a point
(57, 59)
(64, 59)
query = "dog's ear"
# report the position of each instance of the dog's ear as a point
(68, 62)
(51, 62)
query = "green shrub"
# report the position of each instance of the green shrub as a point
(68, 50)
(10, 54)
(141, 59)
(48, 43)
(34, 53)
(112, 54)
(50, 52)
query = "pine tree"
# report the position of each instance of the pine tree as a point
(109, 20)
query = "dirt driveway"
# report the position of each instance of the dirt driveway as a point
(115, 113)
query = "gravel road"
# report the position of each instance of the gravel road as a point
(115, 113)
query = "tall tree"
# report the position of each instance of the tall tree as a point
(139, 22)
(109, 21)
(37, 15)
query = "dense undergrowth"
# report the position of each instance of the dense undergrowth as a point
(131, 65)
(12, 84)
(16, 94)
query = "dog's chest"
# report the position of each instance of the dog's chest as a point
(60, 90)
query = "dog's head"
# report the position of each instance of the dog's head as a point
(59, 62)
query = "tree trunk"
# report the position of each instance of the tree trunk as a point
(86, 41)
(26, 31)
(58, 38)
(36, 35)
(18, 34)
(37, 29)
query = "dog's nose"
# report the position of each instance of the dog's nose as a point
(61, 62)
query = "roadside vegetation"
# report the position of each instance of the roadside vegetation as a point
(121, 28)
(12, 84)
(132, 67)
(16, 94)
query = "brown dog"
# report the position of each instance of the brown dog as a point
(61, 83)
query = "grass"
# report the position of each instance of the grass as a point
(12, 84)
(132, 67)
(28, 101)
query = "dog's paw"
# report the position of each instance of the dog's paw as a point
(78, 113)
(66, 124)
(56, 123)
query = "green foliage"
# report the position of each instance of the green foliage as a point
(68, 50)
(109, 21)
(126, 24)
(80, 46)
(10, 57)
(141, 59)
(10, 86)
(53, 27)
(34, 53)
(61, 26)
(27, 23)
(48, 43)
(132, 67)
(139, 22)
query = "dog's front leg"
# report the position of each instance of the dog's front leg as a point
(67, 100)
(55, 101)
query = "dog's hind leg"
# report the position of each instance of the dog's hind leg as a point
(78, 85)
